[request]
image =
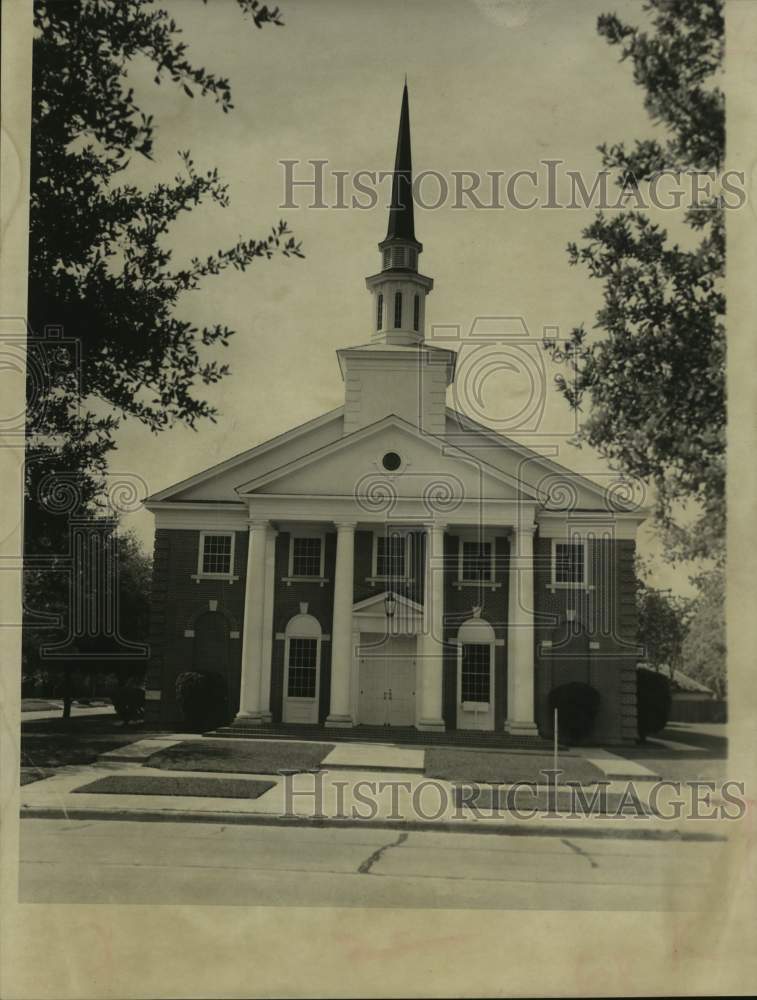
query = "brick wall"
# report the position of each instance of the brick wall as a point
(605, 616)
(458, 607)
(287, 599)
(177, 602)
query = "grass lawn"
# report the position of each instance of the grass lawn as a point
(137, 784)
(47, 743)
(504, 767)
(240, 756)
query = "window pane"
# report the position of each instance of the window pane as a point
(397, 309)
(303, 655)
(416, 312)
(569, 562)
(379, 311)
(216, 554)
(476, 675)
(390, 556)
(477, 561)
(306, 557)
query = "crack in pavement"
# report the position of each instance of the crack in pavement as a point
(580, 851)
(365, 866)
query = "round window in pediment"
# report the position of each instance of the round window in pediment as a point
(391, 461)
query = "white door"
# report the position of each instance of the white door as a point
(387, 684)
(372, 701)
(401, 680)
(475, 686)
(302, 679)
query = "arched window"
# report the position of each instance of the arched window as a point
(416, 312)
(379, 311)
(302, 668)
(397, 310)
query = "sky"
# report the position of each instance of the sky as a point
(495, 85)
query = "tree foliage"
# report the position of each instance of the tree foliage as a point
(106, 340)
(98, 266)
(652, 376)
(704, 648)
(662, 626)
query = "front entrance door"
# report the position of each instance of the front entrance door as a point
(475, 680)
(387, 684)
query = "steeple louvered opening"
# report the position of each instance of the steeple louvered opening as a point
(399, 256)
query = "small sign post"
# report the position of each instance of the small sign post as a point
(554, 762)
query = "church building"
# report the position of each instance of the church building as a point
(393, 563)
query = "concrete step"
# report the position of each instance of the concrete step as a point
(394, 735)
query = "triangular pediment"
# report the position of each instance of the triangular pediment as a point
(377, 603)
(354, 466)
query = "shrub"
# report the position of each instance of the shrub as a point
(653, 701)
(129, 703)
(577, 705)
(202, 698)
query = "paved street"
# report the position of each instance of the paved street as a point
(105, 861)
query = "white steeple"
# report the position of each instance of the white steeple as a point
(397, 372)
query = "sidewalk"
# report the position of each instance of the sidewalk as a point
(56, 711)
(357, 785)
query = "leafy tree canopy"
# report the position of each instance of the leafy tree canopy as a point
(652, 375)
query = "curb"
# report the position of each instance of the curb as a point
(327, 822)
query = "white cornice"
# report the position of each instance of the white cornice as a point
(243, 456)
(502, 441)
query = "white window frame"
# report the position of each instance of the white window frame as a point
(408, 556)
(292, 632)
(465, 638)
(476, 536)
(575, 540)
(201, 575)
(290, 564)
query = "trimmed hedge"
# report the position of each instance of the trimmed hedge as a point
(202, 698)
(577, 705)
(653, 701)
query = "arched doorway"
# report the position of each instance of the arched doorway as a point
(475, 675)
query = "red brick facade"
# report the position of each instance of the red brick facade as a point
(597, 646)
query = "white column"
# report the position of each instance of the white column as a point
(252, 632)
(267, 644)
(341, 631)
(431, 642)
(520, 633)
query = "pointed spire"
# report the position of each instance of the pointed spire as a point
(401, 223)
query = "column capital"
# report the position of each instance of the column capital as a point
(435, 526)
(257, 522)
(524, 529)
(345, 525)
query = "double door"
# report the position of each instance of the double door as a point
(387, 684)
